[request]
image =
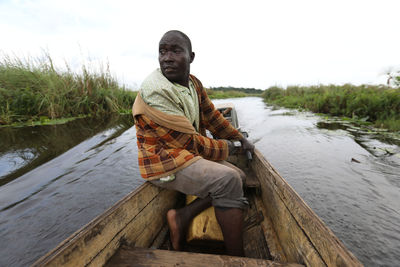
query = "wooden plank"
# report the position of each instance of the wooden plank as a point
(127, 256)
(161, 237)
(102, 236)
(303, 236)
(142, 230)
(252, 182)
(274, 247)
(255, 245)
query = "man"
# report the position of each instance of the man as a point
(172, 112)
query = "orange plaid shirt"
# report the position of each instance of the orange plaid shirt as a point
(163, 151)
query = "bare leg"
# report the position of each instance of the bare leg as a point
(179, 219)
(231, 222)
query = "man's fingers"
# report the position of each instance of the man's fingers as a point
(247, 145)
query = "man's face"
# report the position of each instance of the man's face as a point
(175, 58)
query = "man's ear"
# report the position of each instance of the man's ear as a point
(192, 57)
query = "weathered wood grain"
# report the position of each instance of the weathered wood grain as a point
(252, 182)
(160, 238)
(274, 247)
(254, 243)
(143, 229)
(100, 238)
(127, 256)
(303, 236)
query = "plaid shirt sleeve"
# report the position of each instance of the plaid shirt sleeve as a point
(212, 119)
(161, 150)
(211, 149)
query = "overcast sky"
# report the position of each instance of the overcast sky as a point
(239, 43)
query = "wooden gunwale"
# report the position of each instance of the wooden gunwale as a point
(296, 223)
(97, 241)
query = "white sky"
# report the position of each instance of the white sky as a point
(238, 43)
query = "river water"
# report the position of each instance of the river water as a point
(55, 179)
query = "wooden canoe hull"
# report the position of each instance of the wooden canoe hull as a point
(294, 233)
(134, 220)
(303, 236)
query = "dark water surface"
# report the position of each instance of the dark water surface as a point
(348, 176)
(45, 205)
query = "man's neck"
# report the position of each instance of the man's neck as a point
(184, 83)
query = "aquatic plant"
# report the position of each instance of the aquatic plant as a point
(34, 89)
(379, 105)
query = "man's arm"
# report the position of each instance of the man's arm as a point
(159, 137)
(215, 122)
(218, 125)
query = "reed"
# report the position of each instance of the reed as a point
(379, 105)
(34, 90)
(214, 94)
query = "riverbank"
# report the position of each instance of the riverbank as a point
(34, 91)
(378, 106)
(225, 94)
(232, 92)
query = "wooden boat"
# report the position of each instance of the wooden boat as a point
(280, 229)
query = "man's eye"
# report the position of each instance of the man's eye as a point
(177, 51)
(162, 51)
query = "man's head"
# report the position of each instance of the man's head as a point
(175, 55)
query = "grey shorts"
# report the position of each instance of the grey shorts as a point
(222, 181)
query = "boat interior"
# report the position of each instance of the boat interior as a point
(205, 237)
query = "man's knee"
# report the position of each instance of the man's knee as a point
(229, 193)
(231, 183)
(235, 179)
(242, 176)
(230, 165)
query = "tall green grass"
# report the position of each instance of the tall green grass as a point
(379, 105)
(214, 94)
(34, 89)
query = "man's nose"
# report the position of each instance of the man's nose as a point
(168, 56)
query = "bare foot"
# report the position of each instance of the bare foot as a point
(175, 229)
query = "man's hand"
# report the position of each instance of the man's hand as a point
(247, 145)
(234, 146)
(231, 146)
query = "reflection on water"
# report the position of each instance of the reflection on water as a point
(24, 148)
(45, 205)
(358, 200)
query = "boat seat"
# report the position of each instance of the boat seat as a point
(204, 226)
(129, 256)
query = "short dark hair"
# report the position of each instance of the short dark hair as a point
(184, 36)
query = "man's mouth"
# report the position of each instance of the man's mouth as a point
(169, 68)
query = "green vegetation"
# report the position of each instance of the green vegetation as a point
(232, 92)
(33, 91)
(225, 94)
(248, 91)
(379, 105)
